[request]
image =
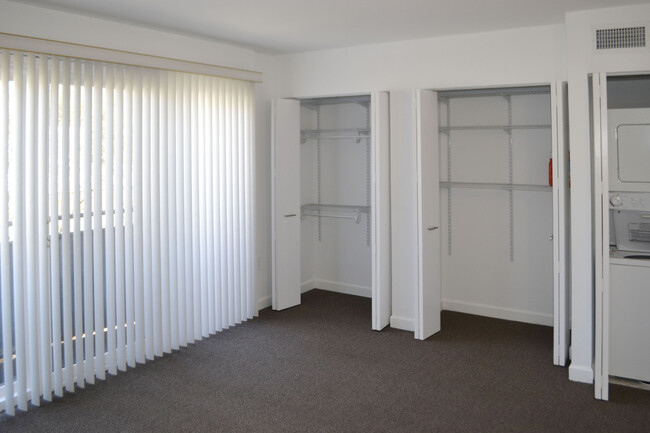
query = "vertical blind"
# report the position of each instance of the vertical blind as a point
(125, 217)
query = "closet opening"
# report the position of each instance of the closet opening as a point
(501, 203)
(331, 200)
(621, 154)
(335, 195)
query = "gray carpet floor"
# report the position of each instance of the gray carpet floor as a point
(318, 367)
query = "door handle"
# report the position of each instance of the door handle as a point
(431, 228)
(290, 215)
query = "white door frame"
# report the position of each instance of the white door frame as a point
(286, 115)
(601, 235)
(560, 226)
(560, 157)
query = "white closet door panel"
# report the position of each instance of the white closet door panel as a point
(286, 204)
(381, 257)
(601, 235)
(560, 222)
(428, 169)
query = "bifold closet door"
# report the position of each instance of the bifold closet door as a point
(428, 225)
(560, 157)
(381, 255)
(601, 236)
(286, 204)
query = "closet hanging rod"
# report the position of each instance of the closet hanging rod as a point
(326, 215)
(334, 211)
(501, 186)
(445, 129)
(336, 131)
(334, 137)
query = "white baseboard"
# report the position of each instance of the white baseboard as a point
(403, 323)
(333, 286)
(306, 286)
(498, 312)
(263, 303)
(581, 373)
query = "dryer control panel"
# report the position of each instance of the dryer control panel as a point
(630, 201)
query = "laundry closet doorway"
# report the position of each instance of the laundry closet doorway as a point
(492, 204)
(331, 202)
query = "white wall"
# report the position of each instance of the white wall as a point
(480, 276)
(341, 259)
(582, 60)
(27, 20)
(521, 56)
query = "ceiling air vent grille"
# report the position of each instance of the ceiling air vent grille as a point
(627, 37)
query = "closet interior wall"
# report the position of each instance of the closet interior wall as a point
(335, 195)
(496, 203)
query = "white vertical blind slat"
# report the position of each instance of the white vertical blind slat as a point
(31, 245)
(240, 186)
(138, 236)
(216, 298)
(230, 200)
(17, 108)
(187, 193)
(251, 179)
(154, 196)
(38, 192)
(172, 205)
(66, 239)
(202, 184)
(110, 220)
(244, 203)
(51, 358)
(129, 218)
(146, 215)
(209, 235)
(120, 251)
(97, 218)
(5, 262)
(196, 215)
(223, 220)
(76, 224)
(180, 211)
(163, 211)
(248, 175)
(86, 187)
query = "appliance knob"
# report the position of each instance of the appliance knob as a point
(615, 200)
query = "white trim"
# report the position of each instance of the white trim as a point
(334, 286)
(46, 46)
(560, 223)
(601, 236)
(525, 316)
(403, 323)
(306, 286)
(264, 302)
(579, 373)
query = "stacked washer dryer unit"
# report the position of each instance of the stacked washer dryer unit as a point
(629, 189)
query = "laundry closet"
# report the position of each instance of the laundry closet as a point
(621, 120)
(496, 207)
(330, 199)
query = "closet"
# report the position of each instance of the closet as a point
(493, 213)
(621, 156)
(331, 199)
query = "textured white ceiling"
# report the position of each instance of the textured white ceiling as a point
(284, 26)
